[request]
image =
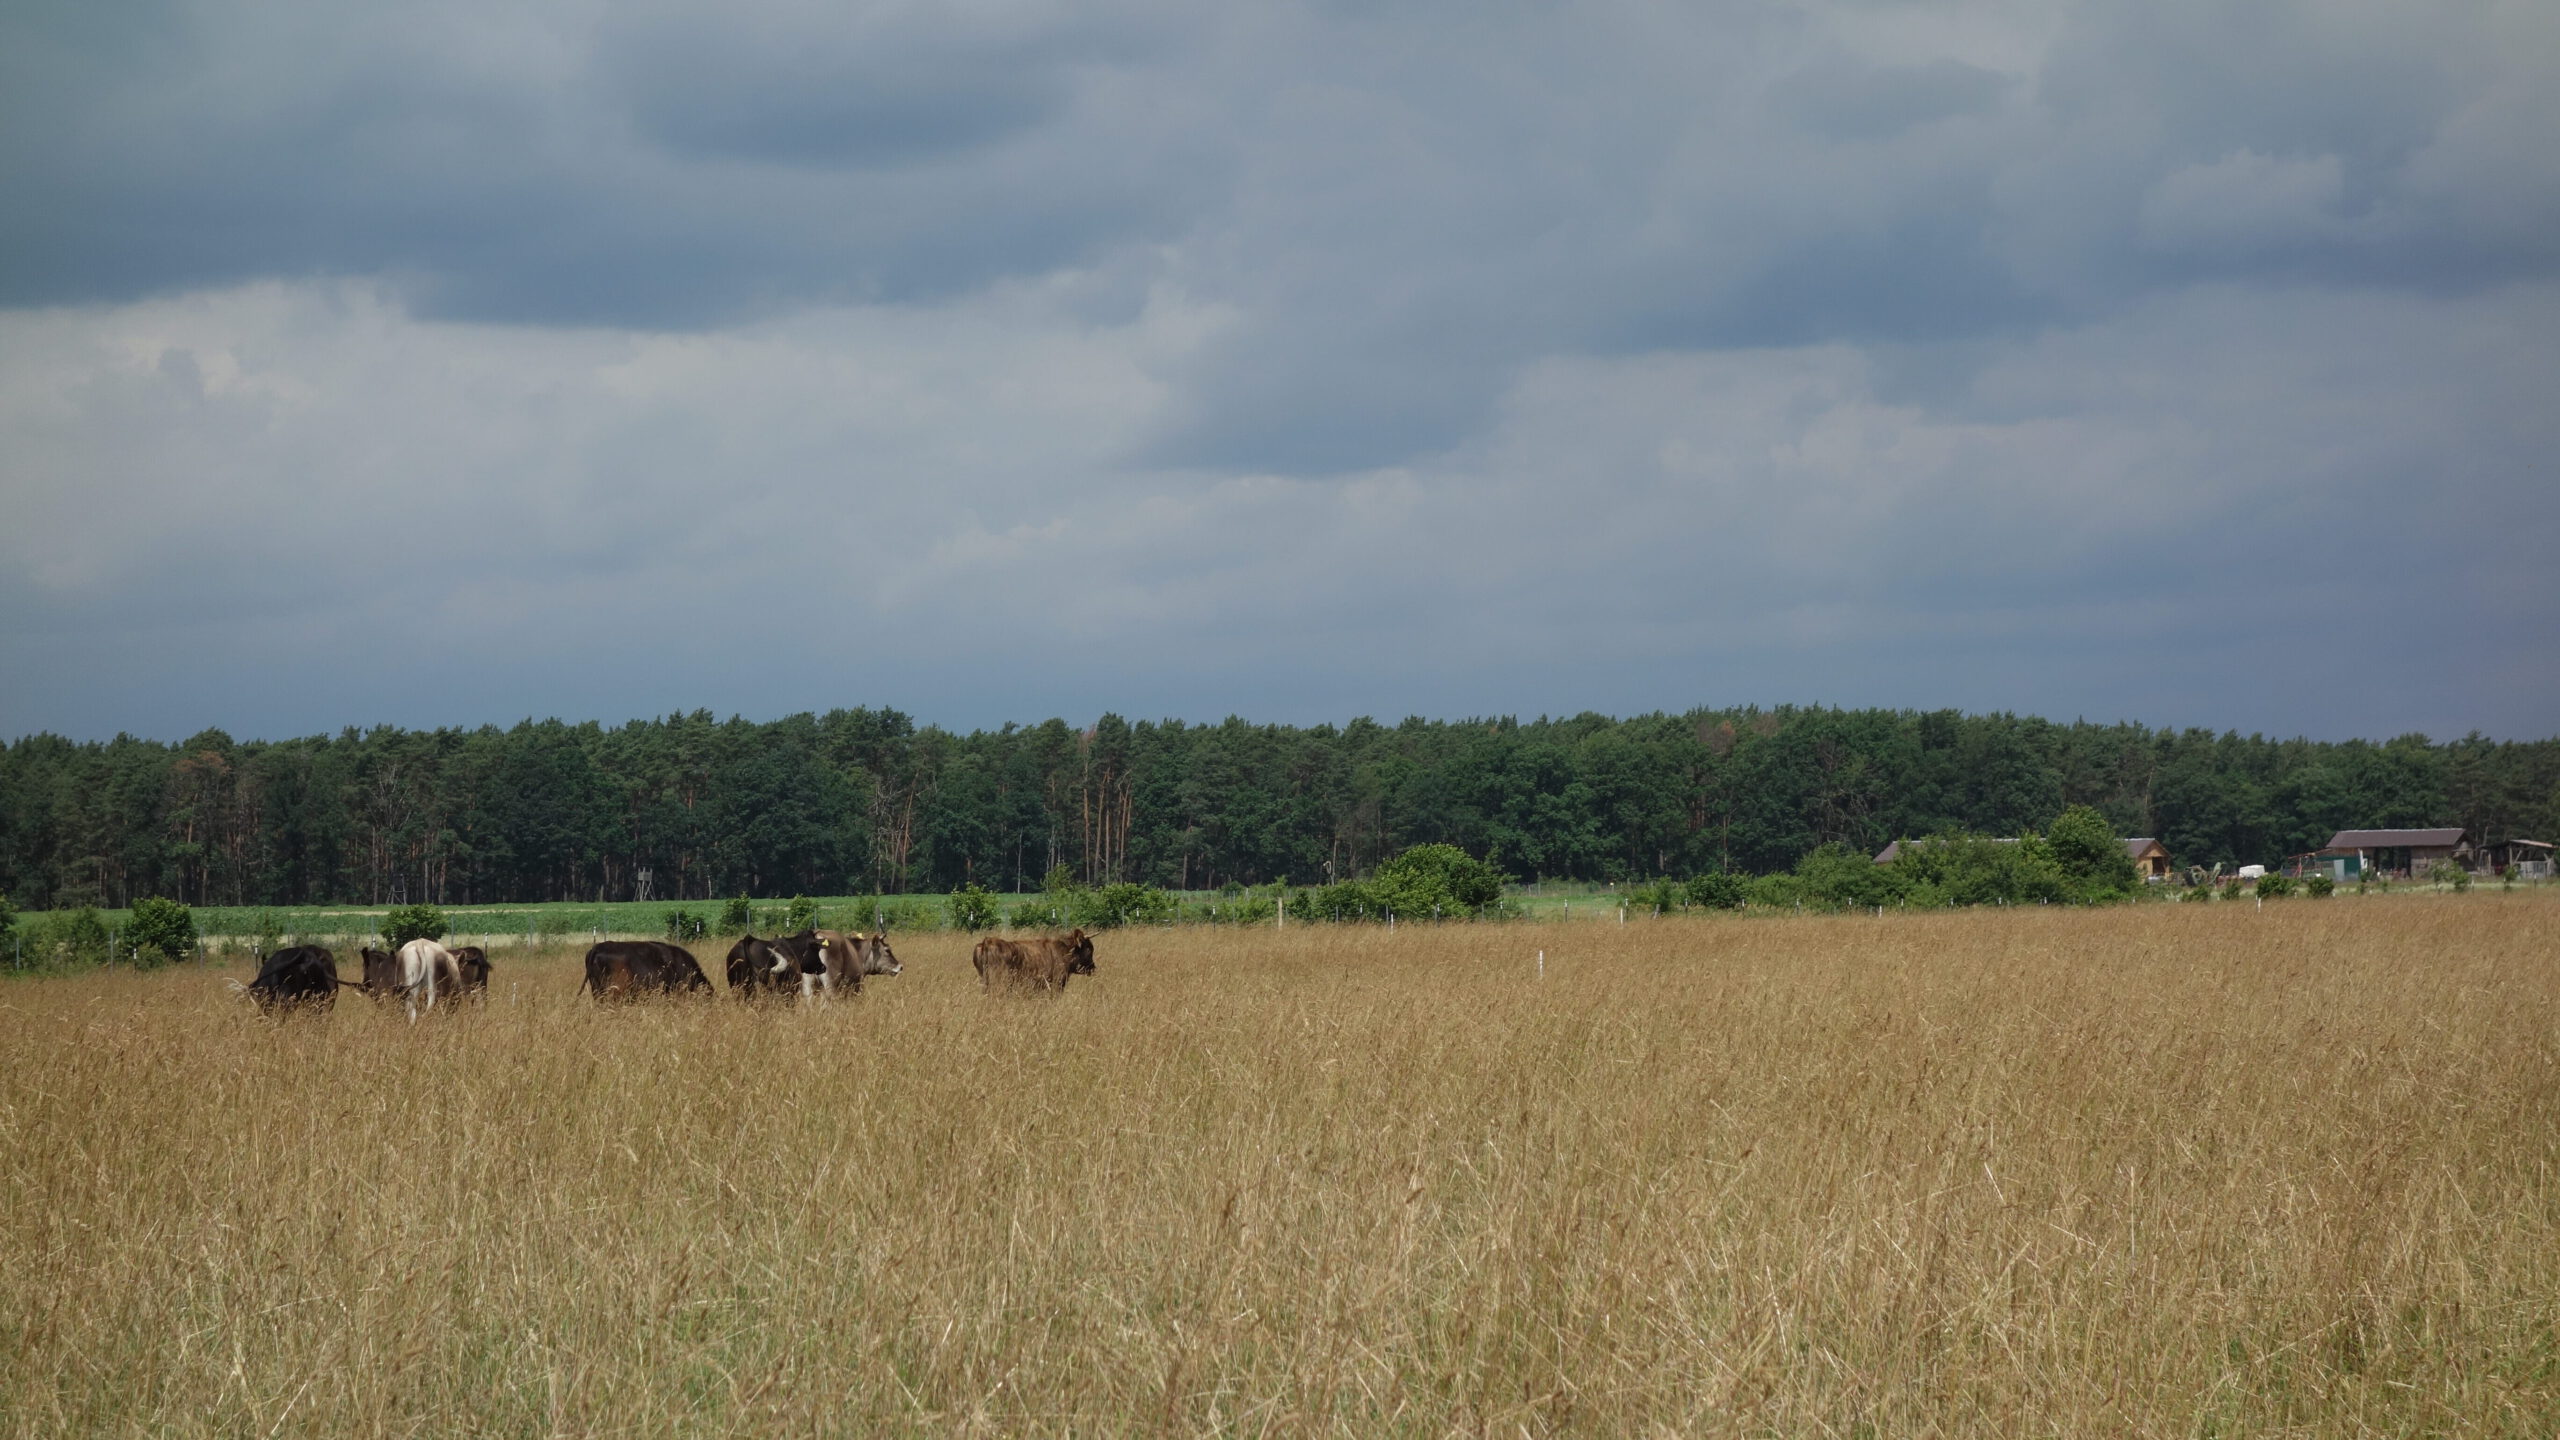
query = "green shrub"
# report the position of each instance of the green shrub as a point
(736, 914)
(1659, 898)
(2273, 887)
(1113, 906)
(551, 924)
(68, 937)
(2319, 887)
(2231, 888)
(973, 909)
(1967, 869)
(683, 924)
(8, 918)
(267, 932)
(1781, 891)
(412, 922)
(1716, 890)
(160, 931)
(1039, 912)
(2197, 893)
(2095, 867)
(802, 913)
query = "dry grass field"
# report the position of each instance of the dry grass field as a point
(2171, 1170)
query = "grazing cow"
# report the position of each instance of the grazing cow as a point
(421, 962)
(854, 955)
(621, 969)
(474, 964)
(1041, 965)
(759, 967)
(381, 973)
(296, 976)
(777, 965)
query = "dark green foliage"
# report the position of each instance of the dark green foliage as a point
(558, 812)
(683, 924)
(68, 938)
(2094, 864)
(2319, 887)
(1109, 907)
(1959, 869)
(8, 918)
(736, 914)
(1040, 912)
(802, 914)
(412, 922)
(1429, 882)
(2272, 886)
(1659, 898)
(1715, 890)
(160, 931)
(973, 909)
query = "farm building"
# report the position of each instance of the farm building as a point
(2532, 858)
(2150, 857)
(2351, 854)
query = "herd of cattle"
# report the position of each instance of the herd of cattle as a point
(810, 964)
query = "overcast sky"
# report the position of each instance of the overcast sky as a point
(448, 363)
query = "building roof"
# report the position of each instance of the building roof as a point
(2136, 844)
(2393, 839)
(1888, 854)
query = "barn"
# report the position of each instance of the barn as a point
(2352, 854)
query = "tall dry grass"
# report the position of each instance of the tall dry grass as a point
(2161, 1171)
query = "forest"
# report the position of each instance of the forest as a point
(866, 801)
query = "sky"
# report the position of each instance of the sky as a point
(460, 361)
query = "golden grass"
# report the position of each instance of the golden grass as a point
(2198, 1170)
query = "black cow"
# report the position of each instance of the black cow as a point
(295, 977)
(620, 969)
(787, 965)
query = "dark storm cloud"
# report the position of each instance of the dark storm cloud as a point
(1317, 357)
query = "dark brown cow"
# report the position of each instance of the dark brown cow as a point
(296, 977)
(777, 965)
(474, 963)
(1040, 965)
(621, 969)
(381, 973)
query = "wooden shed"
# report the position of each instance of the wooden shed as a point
(2351, 854)
(2150, 857)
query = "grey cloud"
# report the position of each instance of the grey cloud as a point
(1322, 358)
(1850, 102)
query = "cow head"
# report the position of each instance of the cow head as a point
(877, 957)
(1079, 951)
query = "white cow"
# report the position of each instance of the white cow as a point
(420, 962)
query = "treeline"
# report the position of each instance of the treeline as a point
(864, 800)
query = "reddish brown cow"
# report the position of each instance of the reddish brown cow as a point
(1041, 965)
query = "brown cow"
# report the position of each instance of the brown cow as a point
(621, 969)
(1040, 965)
(853, 955)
